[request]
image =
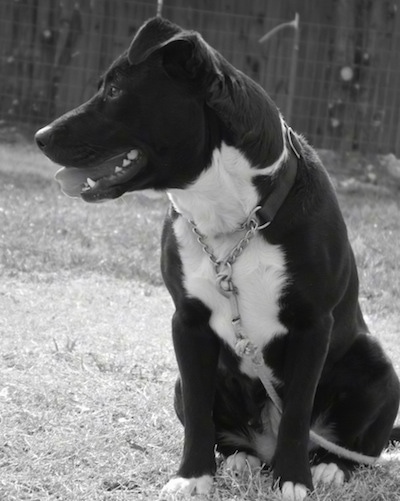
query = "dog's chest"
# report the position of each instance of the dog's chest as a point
(259, 275)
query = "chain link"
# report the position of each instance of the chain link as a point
(223, 268)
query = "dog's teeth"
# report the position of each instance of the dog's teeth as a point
(125, 162)
(90, 182)
(132, 154)
(118, 169)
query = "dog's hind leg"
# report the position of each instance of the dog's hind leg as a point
(241, 425)
(234, 436)
(364, 394)
(246, 422)
(235, 421)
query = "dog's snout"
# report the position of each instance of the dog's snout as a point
(43, 137)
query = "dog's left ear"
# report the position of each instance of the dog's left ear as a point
(185, 54)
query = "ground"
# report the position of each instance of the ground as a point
(86, 366)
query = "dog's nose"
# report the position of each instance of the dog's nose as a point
(43, 137)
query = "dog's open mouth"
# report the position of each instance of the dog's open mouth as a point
(103, 181)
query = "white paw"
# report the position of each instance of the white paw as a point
(293, 492)
(182, 487)
(239, 462)
(329, 474)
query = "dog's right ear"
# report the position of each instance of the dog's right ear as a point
(185, 54)
(153, 35)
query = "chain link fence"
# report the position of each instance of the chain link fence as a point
(340, 85)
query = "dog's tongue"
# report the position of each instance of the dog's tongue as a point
(72, 179)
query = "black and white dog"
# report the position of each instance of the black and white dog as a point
(251, 206)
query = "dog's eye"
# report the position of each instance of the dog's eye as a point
(113, 92)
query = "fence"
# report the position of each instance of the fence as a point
(347, 87)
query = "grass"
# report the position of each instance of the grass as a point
(86, 366)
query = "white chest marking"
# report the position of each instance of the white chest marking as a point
(258, 274)
(219, 201)
(223, 196)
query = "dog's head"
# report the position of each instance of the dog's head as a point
(160, 111)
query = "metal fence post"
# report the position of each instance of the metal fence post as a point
(295, 24)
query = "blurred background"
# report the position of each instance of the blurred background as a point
(336, 77)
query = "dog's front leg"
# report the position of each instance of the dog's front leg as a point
(197, 349)
(305, 359)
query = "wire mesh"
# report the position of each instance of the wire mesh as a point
(346, 88)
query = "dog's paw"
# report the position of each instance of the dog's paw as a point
(179, 487)
(293, 492)
(329, 474)
(239, 462)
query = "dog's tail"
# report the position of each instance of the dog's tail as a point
(263, 445)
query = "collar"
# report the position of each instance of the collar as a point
(270, 206)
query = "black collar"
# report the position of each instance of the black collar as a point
(274, 201)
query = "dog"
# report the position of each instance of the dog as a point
(255, 254)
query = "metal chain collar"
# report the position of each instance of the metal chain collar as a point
(224, 269)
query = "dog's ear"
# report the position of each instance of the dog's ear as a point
(184, 53)
(151, 36)
(187, 56)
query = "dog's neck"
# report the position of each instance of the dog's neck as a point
(224, 195)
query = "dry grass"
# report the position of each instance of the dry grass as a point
(86, 387)
(86, 366)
